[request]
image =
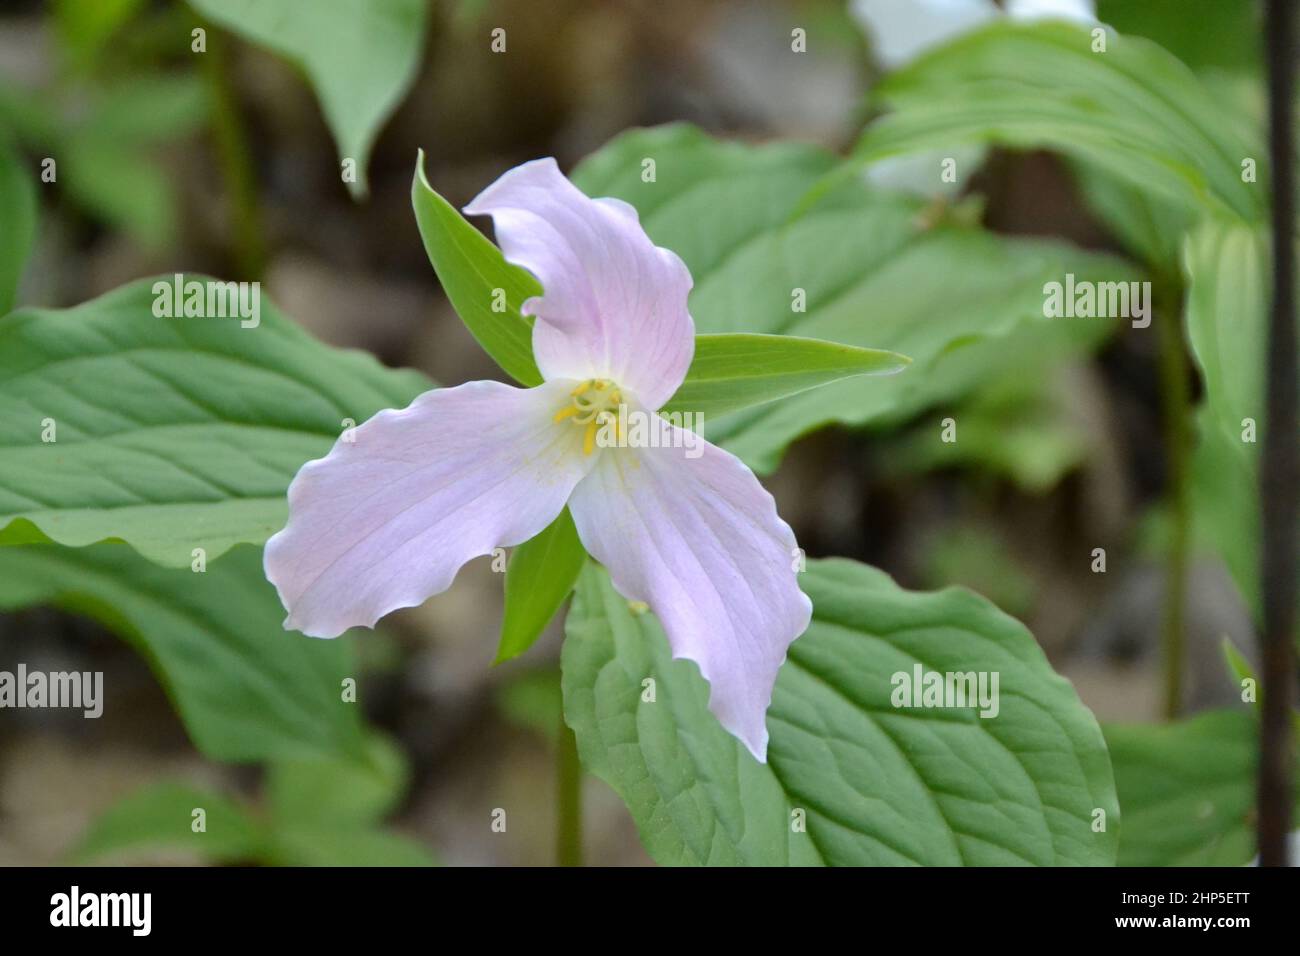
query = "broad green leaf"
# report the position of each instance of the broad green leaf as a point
(331, 792)
(18, 215)
(1226, 266)
(541, 574)
(737, 370)
(1187, 790)
(170, 433)
(146, 109)
(1225, 506)
(294, 845)
(102, 142)
(161, 817)
(850, 779)
(245, 688)
(1021, 425)
(85, 26)
(1134, 111)
(119, 186)
(485, 290)
(1204, 34)
(875, 274)
(1149, 227)
(360, 56)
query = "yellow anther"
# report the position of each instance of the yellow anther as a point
(594, 403)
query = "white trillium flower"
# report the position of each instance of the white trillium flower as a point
(390, 516)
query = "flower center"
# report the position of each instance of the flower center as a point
(591, 405)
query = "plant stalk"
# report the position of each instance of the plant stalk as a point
(236, 159)
(1280, 455)
(1176, 408)
(568, 799)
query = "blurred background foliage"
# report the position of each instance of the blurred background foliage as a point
(235, 161)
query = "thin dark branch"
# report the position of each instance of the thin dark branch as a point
(1280, 464)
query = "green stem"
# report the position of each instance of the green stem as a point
(1176, 408)
(1280, 455)
(236, 160)
(568, 799)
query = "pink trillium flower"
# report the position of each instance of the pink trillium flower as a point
(388, 517)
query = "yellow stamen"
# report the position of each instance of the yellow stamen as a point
(593, 404)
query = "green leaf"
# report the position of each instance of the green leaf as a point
(867, 261)
(146, 109)
(541, 574)
(18, 213)
(1023, 426)
(246, 689)
(1187, 790)
(331, 792)
(103, 139)
(1149, 227)
(161, 817)
(86, 26)
(1226, 514)
(117, 185)
(472, 270)
(1204, 34)
(1133, 111)
(1237, 664)
(313, 846)
(22, 116)
(360, 56)
(878, 784)
(1226, 266)
(737, 370)
(171, 433)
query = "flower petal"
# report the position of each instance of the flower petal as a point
(614, 303)
(388, 518)
(699, 540)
